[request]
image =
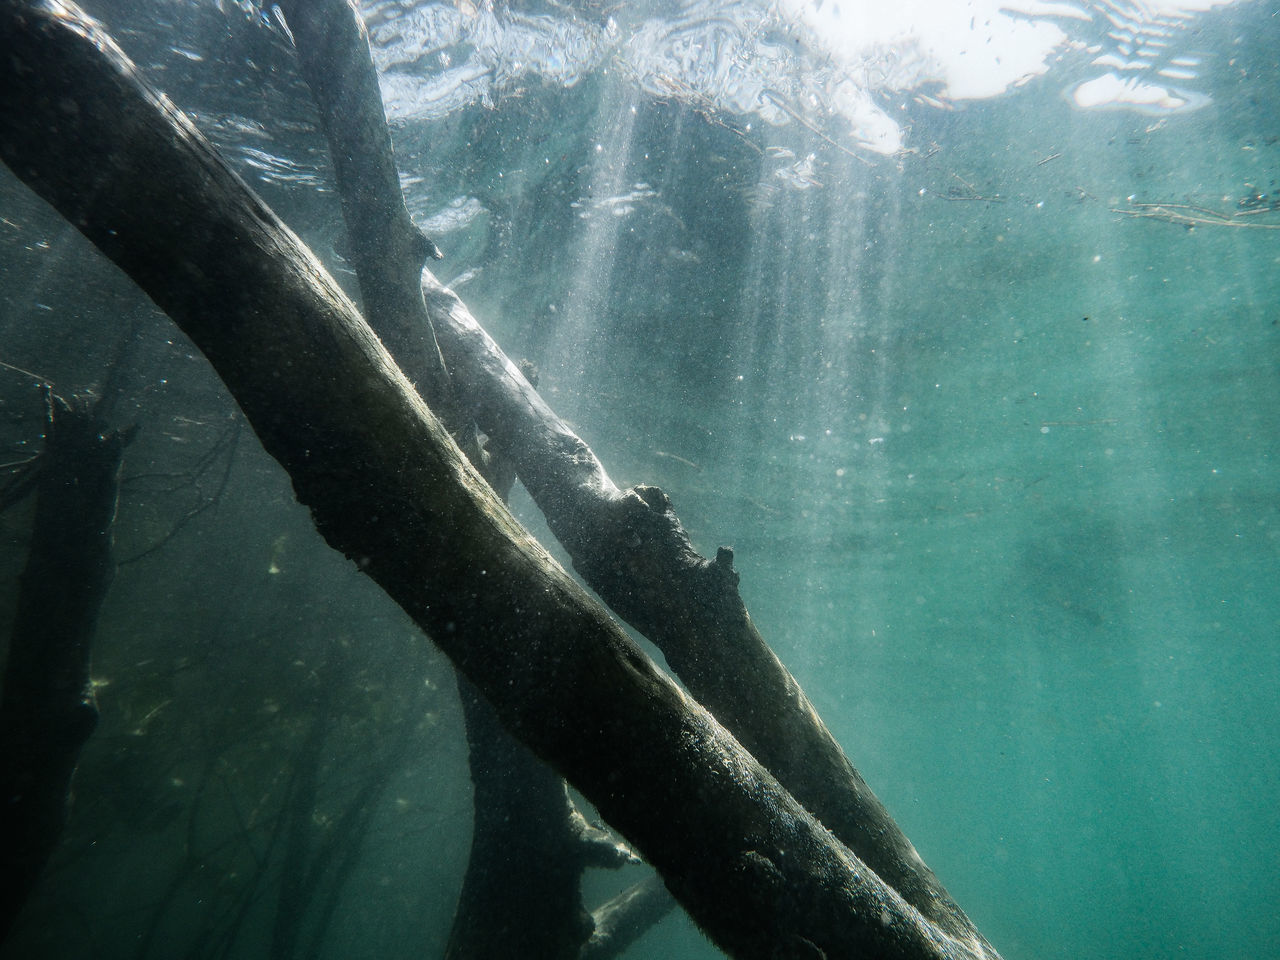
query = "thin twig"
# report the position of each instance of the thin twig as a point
(973, 193)
(39, 378)
(781, 105)
(228, 442)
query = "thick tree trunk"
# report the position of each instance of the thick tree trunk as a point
(389, 488)
(48, 709)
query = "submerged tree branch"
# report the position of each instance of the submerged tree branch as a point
(388, 487)
(387, 250)
(619, 922)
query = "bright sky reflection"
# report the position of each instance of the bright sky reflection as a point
(812, 61)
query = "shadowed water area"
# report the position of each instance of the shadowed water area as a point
(962, 329)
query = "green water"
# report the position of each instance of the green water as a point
(998, 463)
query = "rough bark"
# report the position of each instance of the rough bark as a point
(389, 488)
(629, 546)
(48, 709)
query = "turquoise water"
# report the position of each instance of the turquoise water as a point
(996, 458)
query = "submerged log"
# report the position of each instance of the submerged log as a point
(47, 710)
(629, 546)
(388, 487)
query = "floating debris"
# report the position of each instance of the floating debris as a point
(1193, 215)
(676, 457)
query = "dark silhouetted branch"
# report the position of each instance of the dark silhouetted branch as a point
(48, 709)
